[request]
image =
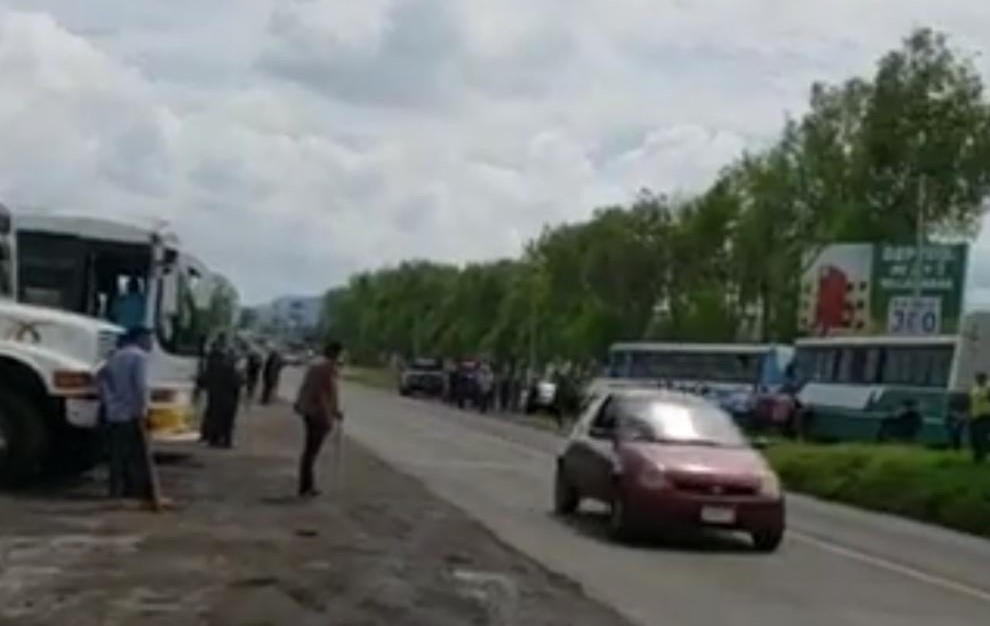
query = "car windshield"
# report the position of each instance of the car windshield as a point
(662, 421)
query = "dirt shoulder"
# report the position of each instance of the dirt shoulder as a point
(377, 548)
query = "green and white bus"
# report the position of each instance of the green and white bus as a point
(852, 383)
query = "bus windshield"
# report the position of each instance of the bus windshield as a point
(84, 276)
(671, 364)
(915, 365)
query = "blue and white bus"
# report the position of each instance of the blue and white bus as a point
(733, 374)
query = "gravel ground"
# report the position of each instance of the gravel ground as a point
(377, 548)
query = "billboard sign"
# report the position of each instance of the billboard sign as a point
(880, 289)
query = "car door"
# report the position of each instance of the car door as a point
(590, 451)
(577, 455)
(601, 460)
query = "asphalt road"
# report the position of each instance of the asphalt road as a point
(838, 566)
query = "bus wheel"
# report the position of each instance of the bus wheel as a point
(23, 439)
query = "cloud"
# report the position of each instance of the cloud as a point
(292, 142)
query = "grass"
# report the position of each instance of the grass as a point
(938, 487)
(378, 377)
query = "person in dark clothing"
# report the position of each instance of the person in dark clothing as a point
(271, 373)
(252, 374)
(123, 386)
(979, 418)
(505, 390)
(222, 383)
(903, 427)
(318, 403)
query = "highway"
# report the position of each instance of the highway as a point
(838, 566)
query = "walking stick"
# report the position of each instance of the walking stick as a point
(157, 502)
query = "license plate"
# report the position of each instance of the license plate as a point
(82, 413)
(718, 515)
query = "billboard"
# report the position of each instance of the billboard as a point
(881, 289)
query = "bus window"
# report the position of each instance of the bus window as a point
(918, 366)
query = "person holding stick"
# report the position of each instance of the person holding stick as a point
(123, 385)
(318, 403)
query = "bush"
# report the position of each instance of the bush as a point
(939, 487)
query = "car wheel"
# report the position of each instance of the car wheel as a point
(566, 498)
(620, 525)
(767, 540)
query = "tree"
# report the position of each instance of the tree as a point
(872, 159)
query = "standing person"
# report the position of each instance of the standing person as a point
(505, 389)
(979, 418)
(271, 373)
(123, 385)
(222, 383)
(252, 373)
(318, 403)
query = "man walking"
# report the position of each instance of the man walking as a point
(252, 373)
(979, 418)
(271, 372)
(318, 403)
(123, 383)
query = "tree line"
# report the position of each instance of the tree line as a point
(884, 158)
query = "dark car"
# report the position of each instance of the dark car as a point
(663, 460)
(423, 376)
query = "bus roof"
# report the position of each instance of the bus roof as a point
(877, 340)
(97, 228)
(724, 348)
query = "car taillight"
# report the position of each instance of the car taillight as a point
(652, 477)
(71, 380)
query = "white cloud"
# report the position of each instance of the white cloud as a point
(293, 142)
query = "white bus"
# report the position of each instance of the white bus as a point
(850, 383)
(730, 373)
(60, 278)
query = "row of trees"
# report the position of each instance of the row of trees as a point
(904, 152)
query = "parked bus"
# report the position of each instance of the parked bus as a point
(852, 383)
(60, 277)
(731, 374)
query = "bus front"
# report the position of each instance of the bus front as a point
(729, 374)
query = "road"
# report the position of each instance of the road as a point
(838, 567)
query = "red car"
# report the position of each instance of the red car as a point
(665, 459)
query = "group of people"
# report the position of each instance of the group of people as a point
(228, 378)
(124, 392)
(490, 388)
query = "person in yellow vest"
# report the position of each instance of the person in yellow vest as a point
(979, 418)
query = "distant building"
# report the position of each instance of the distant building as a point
(289, 313)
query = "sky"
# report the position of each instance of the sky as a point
(292, 143)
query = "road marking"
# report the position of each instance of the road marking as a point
(892, 566)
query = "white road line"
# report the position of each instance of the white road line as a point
(891, 566)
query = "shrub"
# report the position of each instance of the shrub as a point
(939, 487)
